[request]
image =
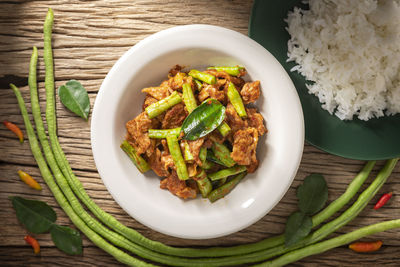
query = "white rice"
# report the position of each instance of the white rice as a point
(350, 49)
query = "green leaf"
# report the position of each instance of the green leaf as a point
(35, 215)
(298, 226)
(312, 194)
(74, 96)
(203, 119)
(66, 239)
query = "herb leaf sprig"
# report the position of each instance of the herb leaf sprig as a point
(38, 217)
(312, 195)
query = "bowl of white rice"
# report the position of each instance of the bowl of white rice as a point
(344, 59)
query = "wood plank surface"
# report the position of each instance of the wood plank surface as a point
(89, 36)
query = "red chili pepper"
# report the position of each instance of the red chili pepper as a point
(33, 242)
(382, 201)
(26, 178)
(15, 129)
(366, 246)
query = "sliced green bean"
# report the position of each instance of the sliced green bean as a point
(139, 162)
(202, 76)
(206, 165)
(203, 183)
(175, 151)
(188, 97)
(225, 189)
(187, 154)
(331, 243)
(236, 100)
(234, 71)
(199, 84)
(223, 154)
(59, 196)
(162, 133)
(226, 173)
(224, 129)
(159, 107)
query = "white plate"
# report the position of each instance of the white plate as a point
(119, 100)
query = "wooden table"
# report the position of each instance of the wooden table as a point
(89, 36)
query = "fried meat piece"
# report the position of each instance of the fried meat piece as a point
(244, 148)
(212, 92)
(138, 133)
(177, 187)
(250, 92)
(157, 165)
(256, 120)
(174, 117)
(232, 118)
(158, 92)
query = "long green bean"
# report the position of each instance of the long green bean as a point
(331, 243)
(176, 154)
(159, 107)
(162, 133)
(203, 183)
(188, 97)
(206, 165)
(202, 76)
(59, 196)
(223, 154)
(236, 100)
(226, 172)
(221, 192)
(97, 227)
(322, 232)
(187, 155)
(129, 232)
(140, 163)
(234, 71)
(224, 129)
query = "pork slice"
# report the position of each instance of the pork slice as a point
(233, 119)
(174, 117)
(157, 165)
(210, 91)
(250, 92)
(256, 120)
(244, 148)
(138, 132)
(158, 92)
(177, 187)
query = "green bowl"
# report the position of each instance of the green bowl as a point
(365, 140)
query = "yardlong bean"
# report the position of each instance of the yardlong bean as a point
(139, 162)
(188, 97)
(236, 100)
(202, 76)
(226, 172)
(159, 107)
(92, 223)
(59, 196)
(331, 243)
(221, 192)
(128, 232)
(163, 133)
(175, 151)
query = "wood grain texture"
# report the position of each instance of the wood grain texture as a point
(89, 36)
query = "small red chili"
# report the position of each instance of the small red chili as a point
(33, 242)
(15, 129)
(382, 201)
(366, 246)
